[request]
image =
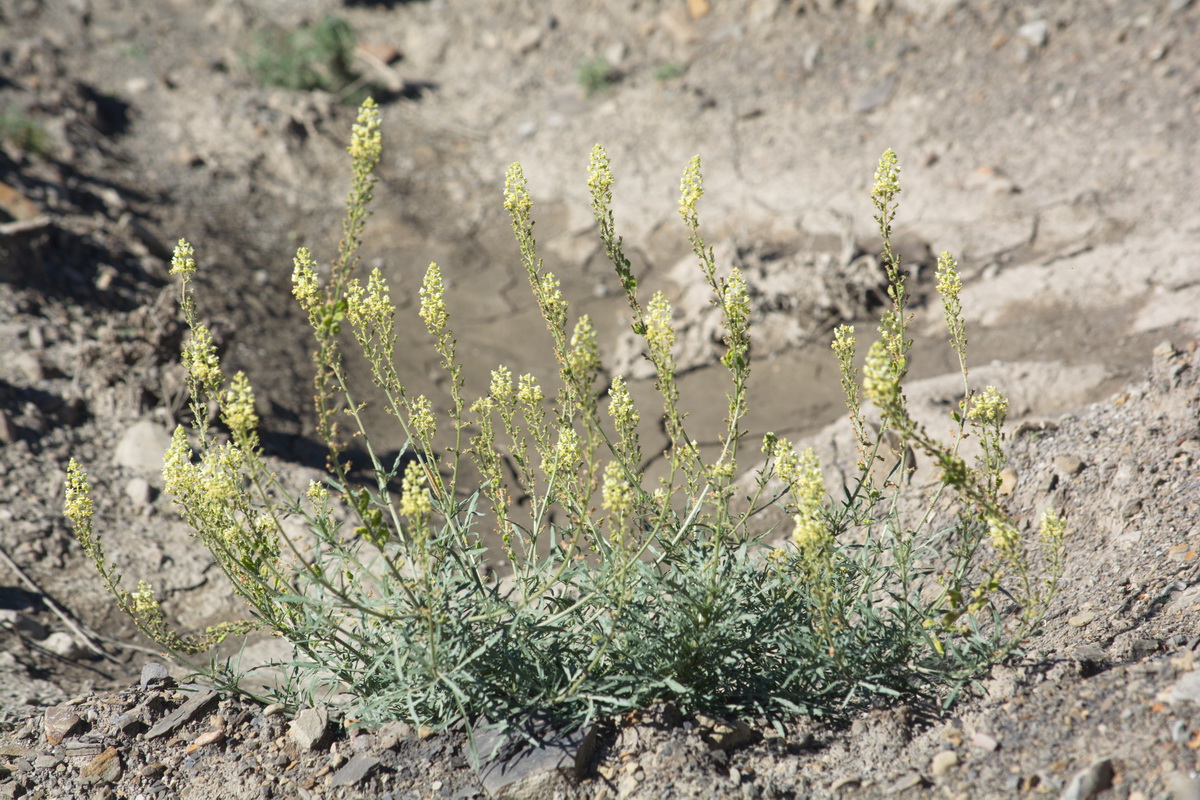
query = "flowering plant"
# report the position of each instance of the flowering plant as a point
(617, 590)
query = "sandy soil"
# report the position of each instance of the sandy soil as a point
(1051, 148)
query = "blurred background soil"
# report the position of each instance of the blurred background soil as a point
(1051, 147)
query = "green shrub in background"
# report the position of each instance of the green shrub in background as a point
(622, 590)
(311, 57)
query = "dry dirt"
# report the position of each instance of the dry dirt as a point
(1050, 146)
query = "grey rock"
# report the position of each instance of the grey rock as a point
(1181, 785)
(354, 770)
(153, 672)
(874, 96)
(533, 772)
(1068, 465)
(1035, 32)
(181, 716)
(725, 734)
(141, 447)
(139, 492)
(63, 644)
(310, 729)
(942, 762)
(1089, 782)
(1186, 689)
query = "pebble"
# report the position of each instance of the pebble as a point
(354, 770)
(153, 672)
(310, 729)
(1082, 619)
(1068, 465)
(141, 447)
(1035, 32)
(943, 762)
(910, 781)
(63, 644)
(59, 722)
(1186, 689)
(874, 96)
(139, 492)
(985, 742)
(725, 734)
(104, 768)
(1089, 782)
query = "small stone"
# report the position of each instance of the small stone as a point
(1186, 689)
(725, 734)
(1035, 32)
(943, 762)
(910, 781)
(1082, 619)
(1068, 465)
(46, 761)
(1089, 782)
(274, 709)
(1008, 481)
(528, 39)
(142, 446)
(425, 732)
(153, 769)
(391, 734)
(215, 736)
(128, 725)
(153, 673)
(985, 742)
(1181, 785)
(139, 492)
(64, 645)
(104, 768)
(181, 716)
(354, 770)
(59, 722)
(310, 729)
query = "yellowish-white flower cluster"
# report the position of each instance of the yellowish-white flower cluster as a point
(808, 491)
(1004, 535)
(415, 502)
(584, 357)
(887, 178)
(737, 303)
(691, 189)
(501, 387)
(617, 495)
(567, 453)
(949, 283)
(201, 360)
(843, 344)
(516, 195)
(305, 285)
(879, 377)
(1052, 528)
(990, 407)
(421, 419)
(529, 393)
(78, 507)
(787, 461)
(433, 301)
(366, 140)
(238, 410)
(621, 408)
(600, 180)
(660, 330)
(144, 601)
(183, 262)
(554, 305)
(370, 309)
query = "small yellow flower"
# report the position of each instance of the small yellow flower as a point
(201, 360)
(79, 507)
(183, 261)
(433, 302)
(305, 284)
(600, 180)
(620, 407)
(144, 601)
(516, 195)
(415, 502)
(949, 283)
(616, 493)
(879, 377)
(501, 388)
(529, 393)
(238, 410)
(584, 357)
(366, 142)
(990, 408)
(691, 188)
(420, 418)
(887, 178)
(660, 331)
(1004, 535)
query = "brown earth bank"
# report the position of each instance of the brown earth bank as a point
(1050, 147)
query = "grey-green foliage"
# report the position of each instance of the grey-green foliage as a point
(617, 593)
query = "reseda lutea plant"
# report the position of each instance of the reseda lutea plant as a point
(617, 590)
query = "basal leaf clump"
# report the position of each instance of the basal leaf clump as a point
(619, 589)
